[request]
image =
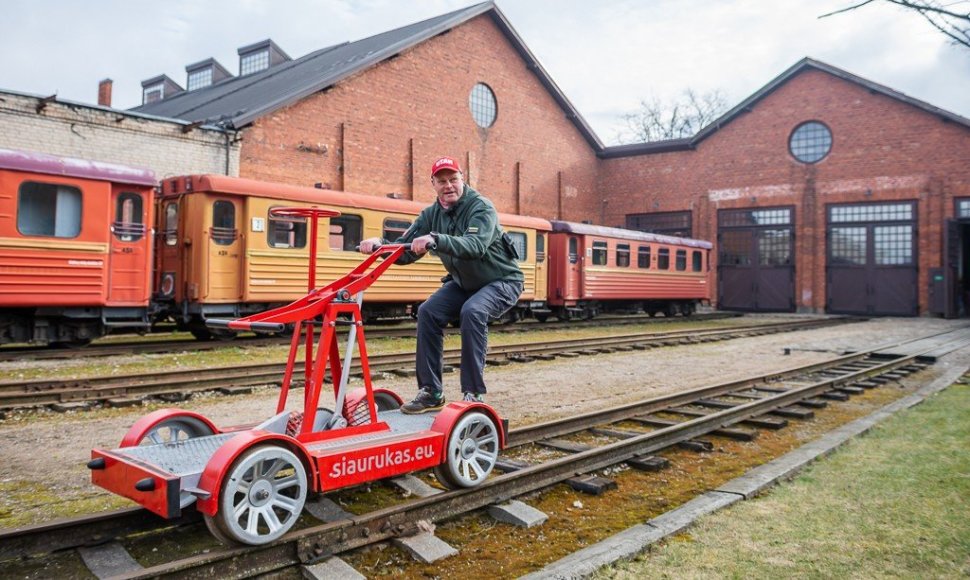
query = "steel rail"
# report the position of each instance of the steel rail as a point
(311, 544)
(160, 345)
(32, 393)
(320, 541)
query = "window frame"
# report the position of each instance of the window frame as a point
(483, 105)
(623, 255)
(72, 195)
(807, 150)
(644, 256)
(298, 230)
(599, 253)
(342, 221)
(388, 226)
(223, 235)
(129, 231)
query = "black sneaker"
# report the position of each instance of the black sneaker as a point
(473, 398)
(425, 401)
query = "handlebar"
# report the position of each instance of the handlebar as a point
(388, 247)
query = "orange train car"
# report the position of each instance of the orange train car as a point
(75, 248)
(220, 254)
(596, 269)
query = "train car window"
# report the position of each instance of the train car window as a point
(697, 261)
(171, 224)
(129, 221)
(540, 248)
(681, 260)
(223, 222)
(623, 255)
(394, 229)
(573, 251)
(643, 257)
(286, 232)
(345, 233)
(48, 209)
(663, 259)
(599, 253)
(521, 245)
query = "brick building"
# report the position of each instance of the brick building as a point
(823, 191)
(98, 132)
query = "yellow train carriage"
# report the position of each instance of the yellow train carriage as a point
(221, 254)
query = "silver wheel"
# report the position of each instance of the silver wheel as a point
(174, 430)
(262, 496)
(472, 450)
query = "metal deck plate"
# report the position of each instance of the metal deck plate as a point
(399, 423)
(182, 458)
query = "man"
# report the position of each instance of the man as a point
(484, 281)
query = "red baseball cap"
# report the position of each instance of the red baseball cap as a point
(444, 163)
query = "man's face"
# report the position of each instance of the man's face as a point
(449, 187)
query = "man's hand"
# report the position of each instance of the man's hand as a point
(369, 245)
(422, 244)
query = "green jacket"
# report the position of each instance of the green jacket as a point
(471, 244)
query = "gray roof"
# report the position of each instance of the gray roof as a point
(239, 101)
(688, 143)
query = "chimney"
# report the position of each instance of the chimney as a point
(104, 93)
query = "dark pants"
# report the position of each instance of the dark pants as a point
(473, 310)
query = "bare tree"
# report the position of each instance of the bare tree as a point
(684, 117)
(944, 16)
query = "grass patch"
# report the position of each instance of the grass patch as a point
(895, 503)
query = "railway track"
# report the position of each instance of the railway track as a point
(177, 385)
(764, 401)
(151, 346)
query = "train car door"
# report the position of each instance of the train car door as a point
(542, 266)
(574, 268)
(223, 248)
(129, 267)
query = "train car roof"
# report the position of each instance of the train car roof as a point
(251, 187)
(608, 232)
(34, 162)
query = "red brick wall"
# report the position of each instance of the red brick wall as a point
(882, 150)
(379, 131)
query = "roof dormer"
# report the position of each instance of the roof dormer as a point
(204, 73)
(158, 88)
(260, 56)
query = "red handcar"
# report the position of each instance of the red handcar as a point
(251, 482)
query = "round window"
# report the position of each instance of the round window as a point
(810, 142)
(481, 102)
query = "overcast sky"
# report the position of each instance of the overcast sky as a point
(605, 55)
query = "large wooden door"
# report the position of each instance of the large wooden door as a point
(871, 260)
(756, 272)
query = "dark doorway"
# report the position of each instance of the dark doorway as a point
(871, 262)
(755, 270)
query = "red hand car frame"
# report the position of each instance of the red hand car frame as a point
(251, 482)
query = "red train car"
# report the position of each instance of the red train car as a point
(75, 248)
(595, 269)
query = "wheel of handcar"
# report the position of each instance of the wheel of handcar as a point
(472, 450)
(261, 497)
(174, 430)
